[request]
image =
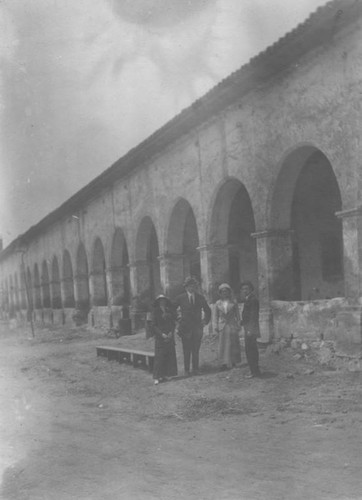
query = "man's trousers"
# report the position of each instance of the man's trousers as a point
(252, 354)
(191, 347)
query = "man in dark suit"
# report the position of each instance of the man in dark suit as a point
(250, 322)
(193, 314)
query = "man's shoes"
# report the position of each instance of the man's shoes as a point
(251, 375)
(254, 375)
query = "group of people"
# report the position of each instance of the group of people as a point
(186, 317)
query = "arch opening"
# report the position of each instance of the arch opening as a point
(307, 198)
(30, 296)
(37, 292)
(82, 282)
(7, 297)
(55, 285)
(16, 292)
(99, 279)
(68, 281)
(182, 246)
(45, 285)
(23, 300)
(147, 261)
(120, 271)
(233, 250)
(11, 297)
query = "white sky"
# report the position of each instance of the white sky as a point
(83, 81)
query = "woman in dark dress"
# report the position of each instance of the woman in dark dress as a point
(163, 326)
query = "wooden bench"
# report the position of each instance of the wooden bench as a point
(139, 359)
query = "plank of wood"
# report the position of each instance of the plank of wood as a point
(125, 350)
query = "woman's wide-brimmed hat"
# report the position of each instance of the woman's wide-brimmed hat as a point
(159, 297)
(190, 280)
(224, 286)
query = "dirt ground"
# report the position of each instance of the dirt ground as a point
(76, 426)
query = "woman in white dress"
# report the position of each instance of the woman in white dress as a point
(228, 326)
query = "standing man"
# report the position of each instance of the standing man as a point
(250, 322)
(193, 314)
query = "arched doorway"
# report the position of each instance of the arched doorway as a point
(120, 272)
(82, 280)
(55, 285)
(30, 295)
(182, 246)
(37, 292)
(7, 297)
(305, 201)
(147, 261)
(11, 297)
(45, 285)
(232, 248)
(68, 282)
(23, 287)
(16, 292)
(99, 280)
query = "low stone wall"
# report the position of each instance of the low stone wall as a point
(58, 317)
(332, 320)
(21, 317)
(47, 317)
(306, 320)
(116, 315)
(100, 316)
(68, 313)
(38, 316)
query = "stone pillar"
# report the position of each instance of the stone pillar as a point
(349, 319)
(352, 252)
(67, 292)
(172, 272)
(109, 286)
(139, 278)
(55, 295)
(81, 289)
(214, 261)
(115, 282)
(275, 274)
(37, 292)
(98, 288)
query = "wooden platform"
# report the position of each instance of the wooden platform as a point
(138, 358)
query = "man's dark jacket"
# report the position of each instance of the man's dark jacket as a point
(190, 316)
(250, 316)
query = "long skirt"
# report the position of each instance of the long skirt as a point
(165, 363)
(229, 347)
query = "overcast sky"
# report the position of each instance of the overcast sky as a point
(83, 81)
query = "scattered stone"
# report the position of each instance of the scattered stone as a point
(273, 349)
(289, 375)
(269, 350)
(325, 355)
(309, 372)
(304, 347)
(295, 344)
(354, 365)
(297, 357)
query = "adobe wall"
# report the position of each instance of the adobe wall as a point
(314, 104)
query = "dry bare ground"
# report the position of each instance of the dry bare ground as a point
(74, 426)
